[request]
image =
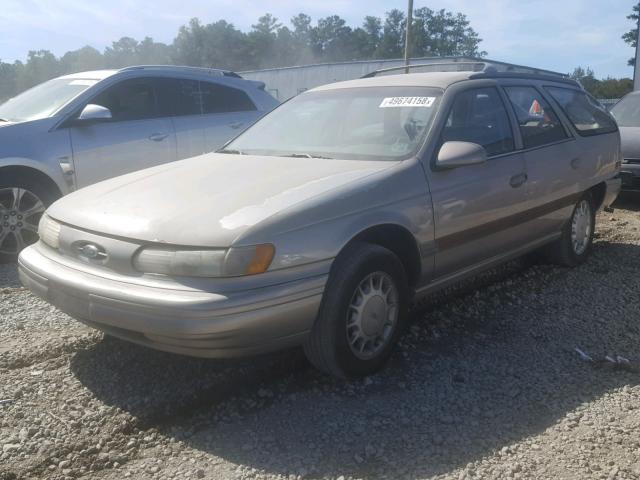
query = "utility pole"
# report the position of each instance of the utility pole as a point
(407, 37)
(636, 67)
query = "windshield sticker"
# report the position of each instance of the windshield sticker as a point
(86, 83)
(391, 102)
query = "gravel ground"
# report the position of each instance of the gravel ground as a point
(486, 384)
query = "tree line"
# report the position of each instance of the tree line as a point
(269, 43)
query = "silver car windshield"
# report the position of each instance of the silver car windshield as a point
(43, 100)
(627, 111)
(372, 123)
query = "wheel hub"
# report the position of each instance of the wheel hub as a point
(372, 315)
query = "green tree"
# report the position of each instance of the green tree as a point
(392, 42)
(83, 59)
(631, 37)
(607, 88)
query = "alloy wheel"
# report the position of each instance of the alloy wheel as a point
(20, 212)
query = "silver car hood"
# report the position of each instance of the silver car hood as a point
(208, 200)
(630, 142)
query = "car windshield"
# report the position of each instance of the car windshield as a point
(627, 111)
(371, 123)
(43, 100)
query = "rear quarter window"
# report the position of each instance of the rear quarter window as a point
(585, 113)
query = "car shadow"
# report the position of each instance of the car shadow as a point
(628, 200)
(488, 364)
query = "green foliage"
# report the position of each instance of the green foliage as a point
(268, 44)
(631, 37)
(606, 88)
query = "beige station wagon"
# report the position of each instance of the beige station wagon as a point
(319, 224)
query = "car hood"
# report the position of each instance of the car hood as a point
(208, 200)
(630, 142)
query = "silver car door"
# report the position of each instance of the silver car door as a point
(227, 112)
(552, 158)
(477, 208)
(133, 139)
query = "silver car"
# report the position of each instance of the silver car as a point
(627, 114)
(76, 130)
(319, 224)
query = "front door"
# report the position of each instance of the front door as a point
(135, 137)
(477, 207)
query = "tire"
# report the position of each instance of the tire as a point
(19, 222)
(358, 274)
(567, 250)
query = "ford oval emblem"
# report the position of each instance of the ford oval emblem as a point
(92, 251)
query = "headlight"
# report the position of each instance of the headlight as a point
(49, 231)
(233, 262)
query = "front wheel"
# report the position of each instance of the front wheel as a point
(362, 312)
(574, 246)
(22, 203)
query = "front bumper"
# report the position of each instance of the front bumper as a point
(186, 321)
(630, 174)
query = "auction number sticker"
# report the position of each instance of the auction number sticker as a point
(391, 102)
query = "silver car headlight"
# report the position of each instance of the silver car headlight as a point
(232, 262)
(49, 231)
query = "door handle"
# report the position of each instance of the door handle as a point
(158, 137)
(236, 125)
(575, 163)
(518, 180)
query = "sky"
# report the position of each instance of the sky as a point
(552, 34)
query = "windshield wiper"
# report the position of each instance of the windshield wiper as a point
(3, 120)
(231, 151)
(305, 155)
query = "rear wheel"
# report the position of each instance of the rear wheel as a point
(22, 203)
(362, 312)
(574, 246)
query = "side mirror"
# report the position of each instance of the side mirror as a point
(94, 113)
(460, 154)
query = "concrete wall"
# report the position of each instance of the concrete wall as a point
(284, 83)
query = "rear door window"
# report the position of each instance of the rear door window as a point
(217, 98)
(539, 124)
(178, 97)
(479, 116)
(587, 115)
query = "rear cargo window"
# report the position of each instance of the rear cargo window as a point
(538, 123)
(586, 115)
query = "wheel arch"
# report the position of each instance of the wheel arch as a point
(397, 239)
(33, 173)
(598, 193)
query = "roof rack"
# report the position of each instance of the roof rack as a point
(451, 67)
(208, 71)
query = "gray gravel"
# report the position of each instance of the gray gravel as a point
(486, 384)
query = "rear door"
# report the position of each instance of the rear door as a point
(476, 207)
(227, 112)
(135, 137)
(179, 99)
(553, 160)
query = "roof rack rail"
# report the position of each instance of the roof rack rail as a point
(209, 71)
(451, 67)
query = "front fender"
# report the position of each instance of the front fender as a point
(56, 175)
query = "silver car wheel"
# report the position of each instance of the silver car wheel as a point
(20, 212)
(581, 226)
(372, 315)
